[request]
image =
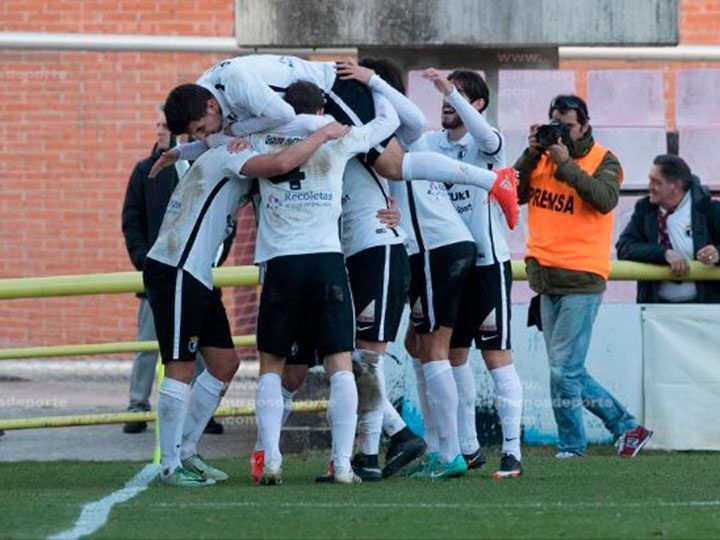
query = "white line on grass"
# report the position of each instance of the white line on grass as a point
(444, 506)
(94, 515)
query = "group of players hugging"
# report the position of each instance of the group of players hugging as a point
(359, 212)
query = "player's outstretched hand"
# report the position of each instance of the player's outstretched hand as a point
(440, 82)
(390, 216)
(238, 144)
(348, 69)
(334, 130)
(165, 160)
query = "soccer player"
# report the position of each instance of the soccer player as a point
(305, 280)
(379, 277)
(239, 95)
(484, 315)
(188, 313)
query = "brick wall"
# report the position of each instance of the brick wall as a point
(73, 124)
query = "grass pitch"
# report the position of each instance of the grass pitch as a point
(656, 495)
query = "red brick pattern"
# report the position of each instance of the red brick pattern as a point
(72, 126)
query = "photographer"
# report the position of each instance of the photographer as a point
(571, 185)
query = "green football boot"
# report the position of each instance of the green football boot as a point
(425, 467)
(195, 464)
(457, 467)
(181, 477)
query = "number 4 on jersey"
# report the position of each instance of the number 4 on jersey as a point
(294, 177)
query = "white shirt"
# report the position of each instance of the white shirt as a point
(429, 218)
(202, 213)
(249, 90)
(364, 193)
(679, 229)
(482, 215)
(302, 216)
(246, 86)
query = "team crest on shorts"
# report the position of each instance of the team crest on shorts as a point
(368, 314)
(490, 323)
(417, 310)
(193, 344)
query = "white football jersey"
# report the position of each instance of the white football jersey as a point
(300, 211)
(429, 218)
(202, 212)
(482, 215)
(364, 193)
(245, 85)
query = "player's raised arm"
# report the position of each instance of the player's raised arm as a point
(486, 137)
(412, 119)
(267, 165)
(363, 138)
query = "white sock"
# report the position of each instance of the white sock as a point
(434, 166)
(288, 397)
(369, 426)
(269, 413)
(509, 402)
(205, 396)
(392, 422)
(443, 401)
(430, 436)
(172, 408)
(342, 415)
(467, 431)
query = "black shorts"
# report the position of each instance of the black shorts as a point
(380, 280)
(187, 314)
(484, 315)
(351, 103)
(437, 278)
(306, 297)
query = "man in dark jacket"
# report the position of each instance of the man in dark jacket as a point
(677, 222)
(143, 211)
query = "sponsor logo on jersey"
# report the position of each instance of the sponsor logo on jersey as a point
(308, 196)
(462, 153)
(193, 344)
(279, 140)
(543, 198)
(273, 203)
(456, 196)
(294, 349)
(437, 190)
(490, 323)
(367, 315)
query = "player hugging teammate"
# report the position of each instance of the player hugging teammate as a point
(335, 262)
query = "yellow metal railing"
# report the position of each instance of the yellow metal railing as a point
(131, 282)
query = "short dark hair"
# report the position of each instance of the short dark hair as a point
(674, 169)
(471, 84)
(387, 70)
(570, 102)
(185, 103)
(305, 97)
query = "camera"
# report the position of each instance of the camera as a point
(548, 134)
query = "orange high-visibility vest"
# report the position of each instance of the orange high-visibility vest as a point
(565, 231)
